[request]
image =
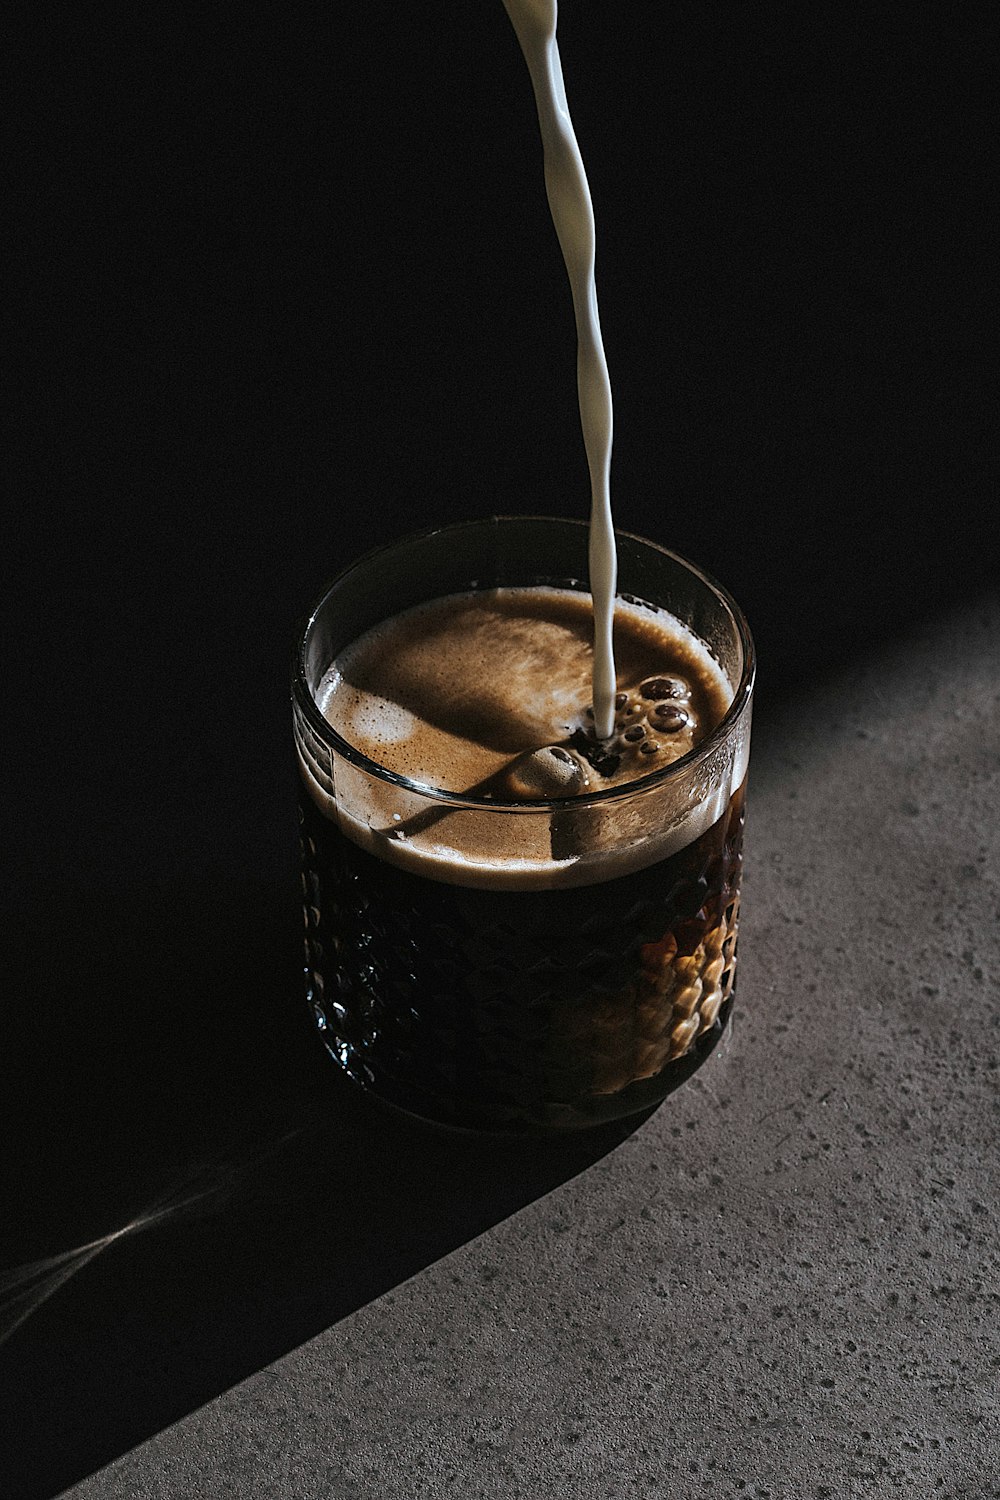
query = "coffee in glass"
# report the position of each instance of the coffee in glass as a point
(511, 923)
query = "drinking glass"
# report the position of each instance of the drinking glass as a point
(583, 971)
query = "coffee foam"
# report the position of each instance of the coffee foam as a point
(476, 678)
(449, 693)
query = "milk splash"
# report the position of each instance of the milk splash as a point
(534, 21)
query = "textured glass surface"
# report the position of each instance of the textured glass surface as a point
(511, 1009)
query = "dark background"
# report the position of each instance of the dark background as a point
(284, 290)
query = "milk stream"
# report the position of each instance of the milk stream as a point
(534, 21)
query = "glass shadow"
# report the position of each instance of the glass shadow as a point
(198, 1188)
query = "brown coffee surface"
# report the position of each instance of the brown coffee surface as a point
(463, 692)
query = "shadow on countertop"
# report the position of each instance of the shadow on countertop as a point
(196, 1188)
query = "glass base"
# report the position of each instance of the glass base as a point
(636, 1099)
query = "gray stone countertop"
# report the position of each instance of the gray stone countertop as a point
(785, 1282)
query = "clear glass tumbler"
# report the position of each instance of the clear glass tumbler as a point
(520, 994)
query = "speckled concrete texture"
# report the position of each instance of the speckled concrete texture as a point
(785, 1283)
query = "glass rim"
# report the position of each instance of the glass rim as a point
(325, 731)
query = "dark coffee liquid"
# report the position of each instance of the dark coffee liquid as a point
(508, 1009)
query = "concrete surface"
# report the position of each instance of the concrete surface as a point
(784, 1284)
